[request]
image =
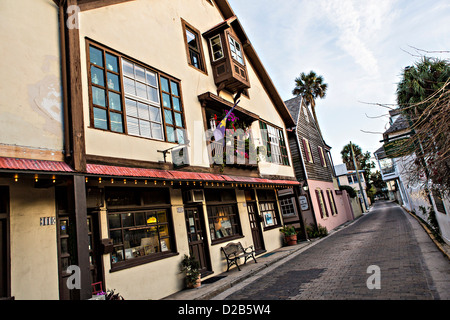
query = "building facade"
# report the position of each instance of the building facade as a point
(394, 168)
(110, 120)
(329, 207)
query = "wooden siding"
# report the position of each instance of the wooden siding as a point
(295, 155)
(308, 130)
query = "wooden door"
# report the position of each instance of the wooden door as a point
(255, 226)
(198, 243)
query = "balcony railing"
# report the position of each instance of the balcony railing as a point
(231, 155)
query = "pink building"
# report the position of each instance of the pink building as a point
(328, 206)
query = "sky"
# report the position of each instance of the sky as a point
(360, 47)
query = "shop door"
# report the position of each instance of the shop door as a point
(67, 253)
(198, 243)
(3, 262)
(255, 227)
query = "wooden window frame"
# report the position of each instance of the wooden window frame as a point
(105, 88)
(159, 73)
(202, 62)
(283, 154)
(127, 263)
(322, 205)
(308, 151)
(332, 202)
(172, 110)
(323, 161)
(212, 216)
(230, 37)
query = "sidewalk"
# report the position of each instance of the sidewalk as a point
(208, 290)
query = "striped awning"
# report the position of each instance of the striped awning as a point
(173, 175)
(34, 165)
(30, 165)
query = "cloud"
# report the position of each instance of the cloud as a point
(359, 27)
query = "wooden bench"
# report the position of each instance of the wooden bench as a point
(234, 251)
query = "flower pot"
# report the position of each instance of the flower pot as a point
(196, 284)
(291, 240)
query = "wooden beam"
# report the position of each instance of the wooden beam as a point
(75, 95)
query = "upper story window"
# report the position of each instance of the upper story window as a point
(216, 48)
(323, 161)
(307, 149)
(128, 97)
(235, 48)
(194, 48)
(273, 140)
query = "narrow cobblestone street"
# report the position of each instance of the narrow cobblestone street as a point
(337, 267)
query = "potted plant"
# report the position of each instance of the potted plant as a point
(190, 266)
(290, 235)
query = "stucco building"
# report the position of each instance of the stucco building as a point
(107, 157)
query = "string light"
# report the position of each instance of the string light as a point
(54, 178)
(112, 180)
(99, 180)
(36, 178)
(16, 177)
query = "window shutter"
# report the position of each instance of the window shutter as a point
(320, 205)
(322, 160)
(305, 147)
(265, 138)
(324, 205)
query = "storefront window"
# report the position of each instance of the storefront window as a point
(139, 234)
(268, 208)
(223, 221)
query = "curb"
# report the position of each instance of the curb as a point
(228, 285)
(430, 234)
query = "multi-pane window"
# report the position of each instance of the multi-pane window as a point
(273, 140)
(193, 46)
(236, 51)
(223, 221)
(216, 48)
(287, 207)
(139, 234)
(268, 208)
(127, 97)
(142, 101)
(107, 111)
(173, 110)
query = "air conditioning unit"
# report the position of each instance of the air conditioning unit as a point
(195, 195)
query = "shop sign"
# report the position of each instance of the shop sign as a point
(303, 203)
(398, 148)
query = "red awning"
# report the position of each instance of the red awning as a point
(34, 165)
(105, 170)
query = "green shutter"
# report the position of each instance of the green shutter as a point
(265, 138)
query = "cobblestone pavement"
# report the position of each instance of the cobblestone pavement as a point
(337, 267)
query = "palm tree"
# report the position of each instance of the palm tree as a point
(310, 86)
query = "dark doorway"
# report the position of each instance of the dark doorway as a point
(198, 243)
